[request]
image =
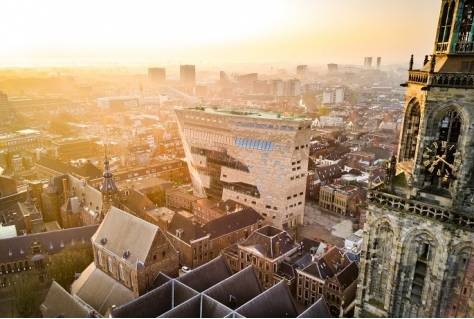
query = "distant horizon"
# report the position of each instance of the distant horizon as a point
(211, 32)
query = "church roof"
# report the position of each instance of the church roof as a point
(121, 231)
(275, 302)
(99, 290)
(59, 303)
(207, 275)
(243, 287)
(317, 310)
(156, 302)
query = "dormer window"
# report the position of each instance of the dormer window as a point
(110, 264)
(99, 257)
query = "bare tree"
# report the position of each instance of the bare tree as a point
(25, 294)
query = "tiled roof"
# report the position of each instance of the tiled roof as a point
(121, 231)
(317, 310)
(229, 223)
(207, 275)
(348, 275)
(276, 302)
(137, 201)
(59, 303)
(169, 295)
(243, 287)
(187, 228)
(88, 170)
(18, 247)
(100, 291)
(264, 241)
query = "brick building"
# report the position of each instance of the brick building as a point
(265, 249)
(331, 276)
(128, 255)
(199, 244)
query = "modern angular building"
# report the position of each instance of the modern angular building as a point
(417, 257)
(255, 158)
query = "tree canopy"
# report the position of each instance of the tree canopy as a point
(71, 260)
(157, 195)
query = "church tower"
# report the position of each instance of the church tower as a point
(110, 193)
(418, 252)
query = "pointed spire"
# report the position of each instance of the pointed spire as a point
(433, 63)
(411, 63)
(426, 60)
(28, 194)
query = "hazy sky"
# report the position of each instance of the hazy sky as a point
(215, 31)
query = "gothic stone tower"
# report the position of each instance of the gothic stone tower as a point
(418, 252)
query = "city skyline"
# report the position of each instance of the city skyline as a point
(210, 32)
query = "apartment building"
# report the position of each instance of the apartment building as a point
(259, 159)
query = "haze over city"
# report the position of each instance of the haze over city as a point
(214, 32)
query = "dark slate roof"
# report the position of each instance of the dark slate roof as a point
(198, 307)
(275, 302)
(317, 310)
(348, 275)
(188, 229)
(297, 261)
(156, 302)
(328, 172)
(88, 170)
(54, 241)
(265, 239)
(309, 243)
(207, 275)
(160, 280)
(229, 223)
(59, 303)
(243, 287)
(314, 270)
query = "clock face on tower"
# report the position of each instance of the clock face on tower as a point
(441, 159)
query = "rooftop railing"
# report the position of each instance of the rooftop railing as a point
(432, 212)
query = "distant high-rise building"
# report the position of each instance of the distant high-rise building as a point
(258, 159)
(157, 75)
(301, 70)
(333, 68)
(368, 62)
(187, 75)
(293, 87)
(379, 62)
(6, 109)
(277, 87)
(3, 100)
(333, 95)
